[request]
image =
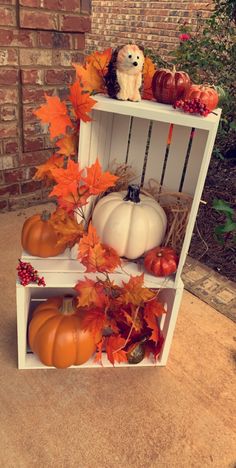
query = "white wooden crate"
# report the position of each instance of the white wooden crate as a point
(137, 134)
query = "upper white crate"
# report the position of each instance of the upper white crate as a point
(138, 134)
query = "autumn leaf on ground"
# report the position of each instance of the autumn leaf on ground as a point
(152, 310)
(154, 349)
(148, 72)
(54, 113)
(96, 256)
(94, 321)
(98, 181)
(91, 293)
(89, 78)
(98, 355)
(67, 228)
(46, 171)
(81, 101)
(67, 180)
(67, 145)
(115, 353)
(134, 291)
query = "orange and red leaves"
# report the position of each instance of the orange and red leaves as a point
(134, 291)
(81, 101)
(94, 321)
(98, 181)
(67, 228)
(114, 349)
(46, 171)
(54, 113)
(67, 145)
(152, 310)
(92, 73)
(148, 72)
(91, 293)
(67, 180)
(96, 256)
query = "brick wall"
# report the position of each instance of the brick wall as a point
(39, 39)
(154, 24)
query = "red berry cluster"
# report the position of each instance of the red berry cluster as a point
(192, 106)
(27, 274)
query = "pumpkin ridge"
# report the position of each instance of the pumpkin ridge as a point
(42, 325)
(55, 338)
(130, 226)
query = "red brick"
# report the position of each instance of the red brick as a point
(19, 174)
(8, 76)
(13, 189)
(34, 57)
(17, 38)
(8, 113)
(33, 144)
(35, 95)
(31, 186)
(7, 16)
(30, 3)
(65, 58)
(86, 6)
(8, 57)
(11, 146)
(8, 2)
(38, 19)
(34, 128)
(59, 76)
(79, 41)
(55, 40)
(68, 5)
(8, 95)
(75, 23)
(8, 130)
(9, 162)
(34, 158)
(34, 77)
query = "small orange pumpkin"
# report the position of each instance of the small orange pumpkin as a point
(56, 334)
(206, 94)
(39, 238)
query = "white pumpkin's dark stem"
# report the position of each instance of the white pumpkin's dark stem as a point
(45, 216)
(133, 193)
(67, 307)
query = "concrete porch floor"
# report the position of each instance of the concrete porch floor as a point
(182, 415)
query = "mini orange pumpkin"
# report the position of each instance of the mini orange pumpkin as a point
(39, 238)
(207, 94)
(56, 334)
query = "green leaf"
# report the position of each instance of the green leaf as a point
(221, 205)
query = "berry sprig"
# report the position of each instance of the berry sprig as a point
(192, 106)
(27, 274)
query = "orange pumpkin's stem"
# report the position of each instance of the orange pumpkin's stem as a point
(46, 215)
(67, 307)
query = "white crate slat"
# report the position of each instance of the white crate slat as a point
(157, 151)
(120, 132)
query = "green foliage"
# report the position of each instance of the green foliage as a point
(228, 228)
(209, 56)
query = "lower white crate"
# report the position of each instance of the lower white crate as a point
(28, 298)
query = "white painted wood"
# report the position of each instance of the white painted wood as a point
(119, 138)
(155, 111)
(176, 157)
(137, 147)
(22, 305)
(195, 161)
(157, 151)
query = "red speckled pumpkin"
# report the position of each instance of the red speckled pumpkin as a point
(39, 238)
(161, 261)
(169, 85)
(208, 95)
(56, 334)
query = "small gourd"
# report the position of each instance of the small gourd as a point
(132, 224)
(39, 238)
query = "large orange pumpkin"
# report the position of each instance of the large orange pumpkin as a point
(39, 238)
(206, 94)
(56, 334)
(169, 85)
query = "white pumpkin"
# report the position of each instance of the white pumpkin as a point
(131, 224)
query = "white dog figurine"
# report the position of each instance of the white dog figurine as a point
(124, 76)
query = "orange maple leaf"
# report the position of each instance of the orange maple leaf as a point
(100, 60)
(46, 170)
(134, 291)
(98, 355)
(154, 348)
(148, 72)
(81, 101)
(152, 310)
(91, 293)
(115, 353)
(54, 113)
(67, 180)
(98, 181)
(67, 228)
(67, 145)
(96, 256)
(94, 321)
(89, 78)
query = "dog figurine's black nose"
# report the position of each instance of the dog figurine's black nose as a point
(135, 64)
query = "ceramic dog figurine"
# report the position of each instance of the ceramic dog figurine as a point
(124, 76)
